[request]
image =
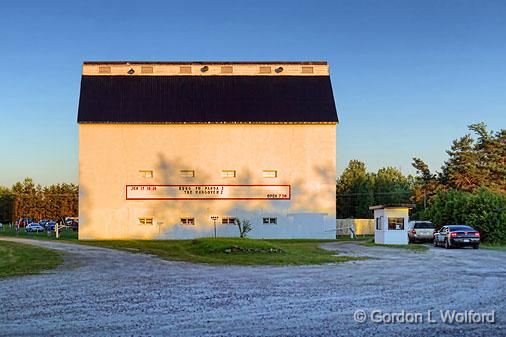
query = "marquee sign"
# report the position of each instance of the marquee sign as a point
(208, 192)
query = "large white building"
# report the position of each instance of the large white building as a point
(165, 146)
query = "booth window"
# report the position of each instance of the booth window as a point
(228, 220)
(146, 221)
(270, 220)
(187, 173)
(379, 222)
(146, 173)
(188, 221)
(395, 223)
(228, 174)
(269, 173)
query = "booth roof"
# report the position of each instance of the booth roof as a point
(410, 206)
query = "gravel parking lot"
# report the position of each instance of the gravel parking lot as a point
(99, 292)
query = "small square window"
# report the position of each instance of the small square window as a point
(270, 220)
(188, 221)
(228, 221)
(395, 224)
(187, 173)
(146, 173)
(146, 221)
(270, 173)
(228, 174)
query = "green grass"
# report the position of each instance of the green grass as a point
(494, 246)
(21, 259)
(221, 251)
(411, 246)
(65, 234)
(210, 250)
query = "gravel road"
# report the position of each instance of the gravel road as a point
(102, 292)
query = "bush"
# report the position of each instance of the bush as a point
(484, 210)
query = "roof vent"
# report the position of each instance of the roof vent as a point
(204, 69)
(227, 70)
(131, 71)
(185, 70)
(146, 70)
(104, 70)
(265, 70)
(278, 69)
(307, 70)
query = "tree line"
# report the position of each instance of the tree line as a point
(470, 187)
(26, 199)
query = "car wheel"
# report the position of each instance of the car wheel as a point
(447, 244)
(476, 246)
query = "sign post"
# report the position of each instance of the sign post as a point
(214, 218)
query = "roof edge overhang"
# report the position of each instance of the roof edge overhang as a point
(409, 206)
(137, 68)
(207, 62)
(208, 123)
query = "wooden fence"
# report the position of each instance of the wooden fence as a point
(361, 226)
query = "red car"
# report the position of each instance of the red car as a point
(23, 222)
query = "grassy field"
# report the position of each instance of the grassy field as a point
(226, 251)
(231, 251)
(411, 246)
(20, 259)
(66, 234)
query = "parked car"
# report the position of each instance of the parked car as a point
(23, 222)
(1, 226)
(43, 222)
(34, 227)
(75, 225)
(49, 226)
(420, 231)
(457, 236)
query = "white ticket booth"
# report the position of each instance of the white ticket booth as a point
(391, 223)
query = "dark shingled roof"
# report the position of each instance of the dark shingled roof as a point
(202, 99)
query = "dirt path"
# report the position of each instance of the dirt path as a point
(100, 292)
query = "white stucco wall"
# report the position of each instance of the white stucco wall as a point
(111, 155)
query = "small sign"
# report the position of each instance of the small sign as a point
(208, 192)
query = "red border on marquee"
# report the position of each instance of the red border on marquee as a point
(288, 198)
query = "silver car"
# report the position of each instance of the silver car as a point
(34, 227)
(420, 231)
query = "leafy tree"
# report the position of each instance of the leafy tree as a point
(354, 191)
(244, 227)
(471, 186)
(26, 199)
(357, 189)
(472, 163)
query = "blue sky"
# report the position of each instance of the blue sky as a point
(408, 76)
